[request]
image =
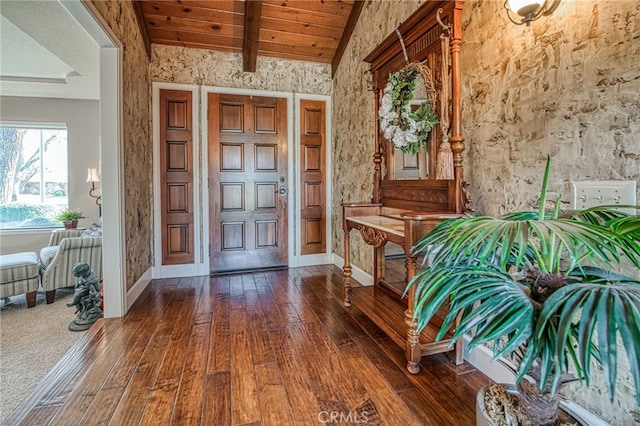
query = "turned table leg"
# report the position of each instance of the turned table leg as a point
(413, 351)
(346, 271)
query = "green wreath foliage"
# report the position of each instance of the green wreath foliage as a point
(405, 129)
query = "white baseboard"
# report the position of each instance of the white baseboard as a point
(313, 259)
(481, 357)
(177, 271)
(138, 288)
(356, 273)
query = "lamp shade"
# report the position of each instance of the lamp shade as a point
(92, 175)
(525, 7)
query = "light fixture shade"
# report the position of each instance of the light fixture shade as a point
(525, 7)
(92, 175)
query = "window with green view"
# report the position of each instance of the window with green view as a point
(33, 174)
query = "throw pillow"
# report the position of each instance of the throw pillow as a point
(94, 230)
(47, 254)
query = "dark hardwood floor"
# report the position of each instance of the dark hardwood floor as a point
(271, 348)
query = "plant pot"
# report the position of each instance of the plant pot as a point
(576, 413)
(70, 225)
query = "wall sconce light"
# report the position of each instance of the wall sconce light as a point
(93, 177)
(526, 11)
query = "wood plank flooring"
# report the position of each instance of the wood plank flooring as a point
(265, 348)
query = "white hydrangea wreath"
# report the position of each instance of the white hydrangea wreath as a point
(406, 130)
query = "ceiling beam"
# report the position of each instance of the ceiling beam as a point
(356, 8)
(137, 6)
(252, 16)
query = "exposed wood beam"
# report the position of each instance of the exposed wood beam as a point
(252, 15)
(346, 34)
(137, 6)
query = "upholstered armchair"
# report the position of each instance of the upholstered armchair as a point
(66, 248)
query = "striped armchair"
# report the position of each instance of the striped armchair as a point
(66, 248)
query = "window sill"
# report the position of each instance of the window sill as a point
(30, 231)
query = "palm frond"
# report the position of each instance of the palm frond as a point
(500, 304)
(600, 215)
(526, 243)
(543, 191)
(539, 285)
(606, 307)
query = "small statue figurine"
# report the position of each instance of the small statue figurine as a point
(86, 298)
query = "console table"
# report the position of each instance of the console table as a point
(383, 303)
(409, 197)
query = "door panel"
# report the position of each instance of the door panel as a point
(248, 168)
(231, 157)
(266, 119)
(313, 177)
(176, 177)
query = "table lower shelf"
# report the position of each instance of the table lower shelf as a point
(388, 313)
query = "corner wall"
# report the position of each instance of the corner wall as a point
(136, 138)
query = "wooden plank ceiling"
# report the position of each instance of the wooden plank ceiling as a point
(308, 30)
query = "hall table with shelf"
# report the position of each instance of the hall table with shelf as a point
(412, 191)
(382, 302)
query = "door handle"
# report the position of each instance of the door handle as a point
(282, 190)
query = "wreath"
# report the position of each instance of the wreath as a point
(405, 129)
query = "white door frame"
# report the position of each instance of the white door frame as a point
(113, 239)
(200, 111)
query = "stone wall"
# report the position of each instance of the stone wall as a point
(223, 69)
(567, 86)
(136, 143)
(353, 119)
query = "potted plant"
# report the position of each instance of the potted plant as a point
(545, 289)
(69, 218)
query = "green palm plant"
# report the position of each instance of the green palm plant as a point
(543, 288)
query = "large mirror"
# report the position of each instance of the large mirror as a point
(405, 166)
(395, 270)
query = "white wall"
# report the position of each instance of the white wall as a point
(83, 144)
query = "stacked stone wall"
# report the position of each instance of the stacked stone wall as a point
(567, 86)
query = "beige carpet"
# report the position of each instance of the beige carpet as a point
(32, 341)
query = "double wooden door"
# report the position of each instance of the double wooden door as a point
(247, 182)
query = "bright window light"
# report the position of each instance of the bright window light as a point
(33, 174)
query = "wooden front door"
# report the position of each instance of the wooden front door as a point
(248, 182)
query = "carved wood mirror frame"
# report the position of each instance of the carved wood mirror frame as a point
(421, 35)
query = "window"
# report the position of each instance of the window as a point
(33, 174)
